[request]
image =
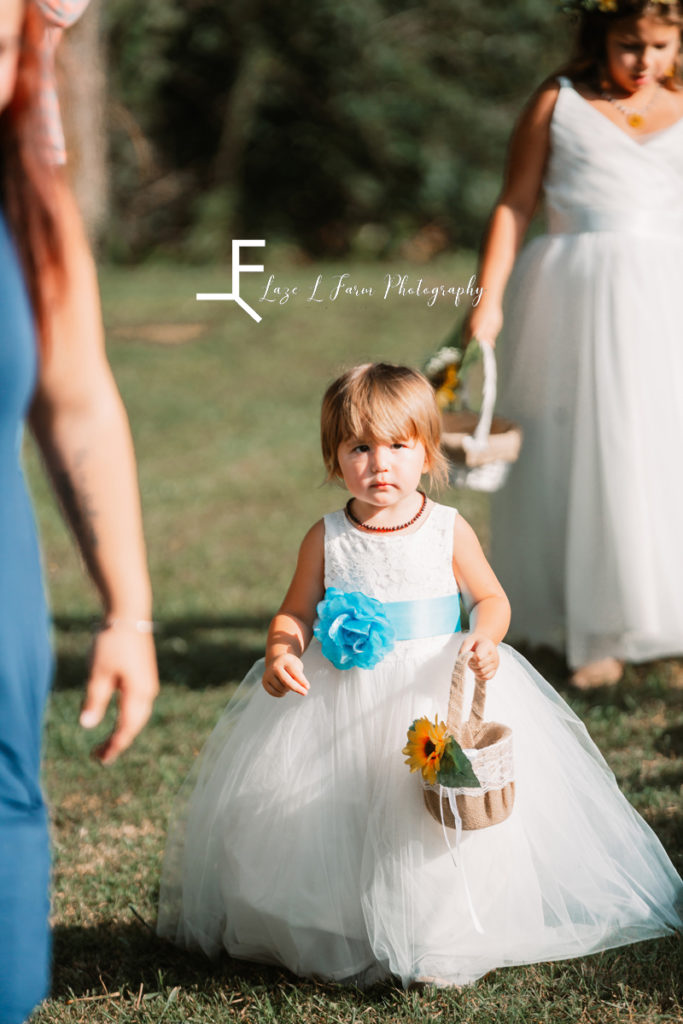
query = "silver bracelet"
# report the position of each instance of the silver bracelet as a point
(137, 625)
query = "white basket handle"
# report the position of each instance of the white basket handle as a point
(479, 438)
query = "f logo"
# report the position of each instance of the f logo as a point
(237, 269)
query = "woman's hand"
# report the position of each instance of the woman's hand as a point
(483, 324)
(123, 663)
(485, 657)
(283, 673)
(82, 430)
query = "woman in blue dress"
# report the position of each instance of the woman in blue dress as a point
(53, 372)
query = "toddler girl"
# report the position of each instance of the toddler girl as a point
(305, 841)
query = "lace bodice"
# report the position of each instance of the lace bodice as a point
(392, 566)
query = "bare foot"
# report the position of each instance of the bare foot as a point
(426, 981)
(604, 672)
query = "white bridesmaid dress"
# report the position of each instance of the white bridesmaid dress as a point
(587, 536)
(302, 838)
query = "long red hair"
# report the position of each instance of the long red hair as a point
(27, 179)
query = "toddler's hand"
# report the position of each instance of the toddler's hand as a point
(285, 673)
(485, 658)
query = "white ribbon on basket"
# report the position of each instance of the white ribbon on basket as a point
(493, 766)
(451, 794)
(480, 437)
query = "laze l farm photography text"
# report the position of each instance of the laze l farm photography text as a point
(333, 287)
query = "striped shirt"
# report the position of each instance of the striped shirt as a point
(58, 15)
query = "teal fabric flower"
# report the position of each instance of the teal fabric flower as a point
(353, 630)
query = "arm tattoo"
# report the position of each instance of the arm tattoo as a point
(71, 489)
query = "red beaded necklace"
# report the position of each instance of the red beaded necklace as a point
(385, 529)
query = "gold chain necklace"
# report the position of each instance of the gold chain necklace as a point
(635, 118)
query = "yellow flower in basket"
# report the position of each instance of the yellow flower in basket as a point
(442, 370)
(438, 755)
(445, 394)
(426, 742)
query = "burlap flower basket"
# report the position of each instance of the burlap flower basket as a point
(488, 745)
(481, 448)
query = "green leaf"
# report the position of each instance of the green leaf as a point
(455, 768)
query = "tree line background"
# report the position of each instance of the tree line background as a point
(347, 127)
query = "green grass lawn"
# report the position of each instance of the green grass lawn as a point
(226, 428)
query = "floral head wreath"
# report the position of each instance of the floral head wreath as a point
(602, 6)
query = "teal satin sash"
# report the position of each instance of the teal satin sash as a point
(356, 631)
(431, 616)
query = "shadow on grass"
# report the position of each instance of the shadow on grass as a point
(549, 663)
(122, 957)
(667, 822)
(202, 651)
(196, 652)
(670, 741)
(126, 958)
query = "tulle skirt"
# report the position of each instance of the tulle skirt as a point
(302, 839)
(586, 535)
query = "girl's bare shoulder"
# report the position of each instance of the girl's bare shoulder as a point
(541, 104)
(314, 539)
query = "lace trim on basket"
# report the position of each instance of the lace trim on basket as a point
(493, 766)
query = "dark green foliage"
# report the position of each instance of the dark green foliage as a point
(455, 768)
(343, 126)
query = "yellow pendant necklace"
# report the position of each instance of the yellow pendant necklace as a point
(635, 118)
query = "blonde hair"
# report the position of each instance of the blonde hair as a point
(382, 403)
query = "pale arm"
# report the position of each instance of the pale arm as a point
(490, 608)
(527, 157)
(61, 13)
(292, 627)
(57, 15)
(82, 430)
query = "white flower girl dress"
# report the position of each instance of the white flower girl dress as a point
(586, 538)
(303, 840)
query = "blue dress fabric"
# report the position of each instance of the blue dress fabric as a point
(25, 672)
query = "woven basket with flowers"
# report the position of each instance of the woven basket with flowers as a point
(480, 447)
(466, 766)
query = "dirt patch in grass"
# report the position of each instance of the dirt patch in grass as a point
(161, 333)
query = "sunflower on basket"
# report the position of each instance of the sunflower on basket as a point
(438, 755)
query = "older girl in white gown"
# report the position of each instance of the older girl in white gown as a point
(586, 537)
